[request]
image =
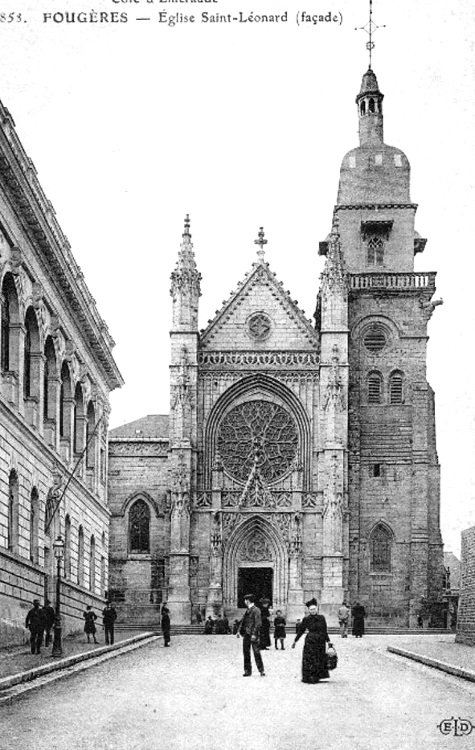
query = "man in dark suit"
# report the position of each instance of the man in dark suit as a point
(250, 630)
(109, 616)
(35, 622)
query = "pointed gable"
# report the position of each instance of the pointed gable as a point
(260, 315)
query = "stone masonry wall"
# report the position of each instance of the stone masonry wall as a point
(466, 610)
(137, 581)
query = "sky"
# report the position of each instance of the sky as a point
(132, 125)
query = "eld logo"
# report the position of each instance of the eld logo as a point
(458, 727)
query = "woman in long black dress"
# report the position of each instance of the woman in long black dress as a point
(314, 650)
(358, 613)
(265, 624)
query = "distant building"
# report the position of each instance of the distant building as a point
(466, 608)
(299, 459)
(56, 372)
(452, 571)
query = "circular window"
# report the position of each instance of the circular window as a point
(375, 339)
(260, 435)
(259, 326)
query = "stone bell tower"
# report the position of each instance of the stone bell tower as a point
(393, 473)
(185, 292)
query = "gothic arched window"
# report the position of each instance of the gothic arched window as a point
(375, 253)
(395, 388)
(375, 388)
(139, 527)
(381, 543)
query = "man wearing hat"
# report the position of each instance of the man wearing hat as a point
(250, 630)
(35, 622)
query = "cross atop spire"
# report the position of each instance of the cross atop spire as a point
(370, 28)
(186, 232)
(261, 241)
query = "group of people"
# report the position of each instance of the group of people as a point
(358, 615)
(109, 616)
(217, 626)
(255, 631)
(314, 661)
(40, 621)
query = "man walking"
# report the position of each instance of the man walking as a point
(35, 622)
(109, 616)
(250, 630)
(49, 615)
(343, 618)
(166, 625)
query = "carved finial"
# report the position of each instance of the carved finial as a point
(370, 28)
(186, 232)
(261, 241)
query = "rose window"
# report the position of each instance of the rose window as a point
(259, 436)
(259, 326)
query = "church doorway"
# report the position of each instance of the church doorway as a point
(257, 581)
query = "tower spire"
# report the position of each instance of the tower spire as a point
(370, 28)
(185, 286)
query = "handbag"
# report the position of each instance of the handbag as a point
(331, 657)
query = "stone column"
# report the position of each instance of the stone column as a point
(214, 605)
(333, 585)
(295, 603)
(179, 583)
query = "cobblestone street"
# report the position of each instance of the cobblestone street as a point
(192, 695)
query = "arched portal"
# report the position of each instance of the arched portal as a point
(255, 556)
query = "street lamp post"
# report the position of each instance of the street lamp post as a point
(58, 546)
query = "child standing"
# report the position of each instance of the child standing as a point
(279, 629)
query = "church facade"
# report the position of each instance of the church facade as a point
(299, 458)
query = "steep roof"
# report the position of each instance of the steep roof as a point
(261, 275)
(151, 426)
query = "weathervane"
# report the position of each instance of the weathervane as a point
(261, 241)
(370, 28)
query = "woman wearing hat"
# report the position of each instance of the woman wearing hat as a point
(313, 657)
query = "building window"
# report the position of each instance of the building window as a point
(375, 339)
(13, 501)
(92, 565)
(49, 381)
(49, 512)
(103, 576)
(375, 251)
(67, 546)
(395, 388)
(377, 470)
(90, 437)
(375, 388)
(381, 543)
(79, 418)
(34, 512)
(81, 556)
(5, 351)
(27, 365)
(139, 527)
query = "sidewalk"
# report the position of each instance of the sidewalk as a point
(16, 659)
(440, 652)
